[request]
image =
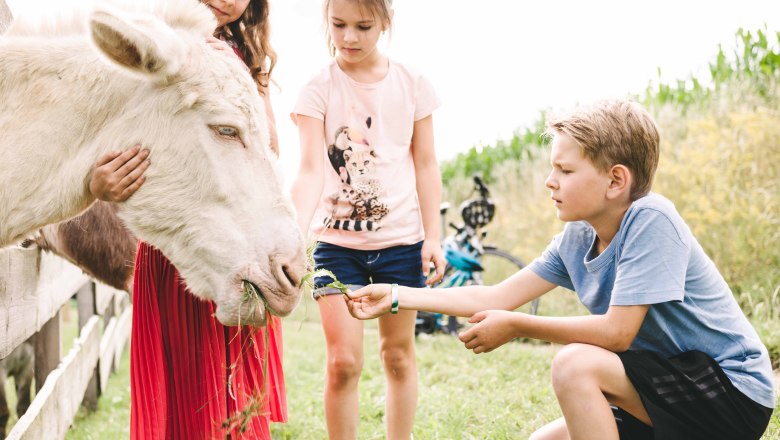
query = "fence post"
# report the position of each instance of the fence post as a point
(85, 297)
(48, 350)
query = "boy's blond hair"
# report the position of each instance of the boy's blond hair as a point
(614, 132)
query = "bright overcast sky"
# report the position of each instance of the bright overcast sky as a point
(496, 63)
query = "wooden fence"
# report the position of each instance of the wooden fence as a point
(34, 286)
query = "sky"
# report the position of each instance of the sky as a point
(495, 64)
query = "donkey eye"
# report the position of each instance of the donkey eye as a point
(227, 131)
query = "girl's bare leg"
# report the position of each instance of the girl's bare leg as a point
(344, 338)
(396, 349)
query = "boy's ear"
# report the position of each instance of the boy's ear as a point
(620, 181)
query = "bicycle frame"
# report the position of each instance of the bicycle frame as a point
(464, 252)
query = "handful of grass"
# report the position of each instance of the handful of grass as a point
(308, 279)
(336, 284)
(240, 421)
(255, 300)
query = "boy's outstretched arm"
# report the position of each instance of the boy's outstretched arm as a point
(613, 331)
(373, 300)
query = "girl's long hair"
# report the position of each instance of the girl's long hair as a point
(251, 34)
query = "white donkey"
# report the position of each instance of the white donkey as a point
(212, 202)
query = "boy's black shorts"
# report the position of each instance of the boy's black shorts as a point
(688, 397)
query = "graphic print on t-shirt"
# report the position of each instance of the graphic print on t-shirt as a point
(357, 205)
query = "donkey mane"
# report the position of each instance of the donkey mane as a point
(179, 14)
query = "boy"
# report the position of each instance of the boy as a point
(666, 353)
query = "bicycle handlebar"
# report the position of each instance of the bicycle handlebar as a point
(481, 187)
(476, 213)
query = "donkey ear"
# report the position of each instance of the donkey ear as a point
(138, 42)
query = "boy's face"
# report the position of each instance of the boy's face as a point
(577, 187)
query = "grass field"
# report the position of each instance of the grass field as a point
(461, 395)
(501, 395)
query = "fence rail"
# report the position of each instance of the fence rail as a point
(34, 286)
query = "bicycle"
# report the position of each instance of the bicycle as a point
(469, 261)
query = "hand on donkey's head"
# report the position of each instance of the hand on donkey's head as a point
(117, 175)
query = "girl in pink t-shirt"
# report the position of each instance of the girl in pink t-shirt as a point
(368, 190)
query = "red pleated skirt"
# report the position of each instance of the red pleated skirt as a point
(190, 376)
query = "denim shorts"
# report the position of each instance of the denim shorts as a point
(357, 268)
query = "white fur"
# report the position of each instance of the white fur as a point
(212, 205)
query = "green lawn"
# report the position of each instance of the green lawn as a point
(112, 419)
(505, 394)
(501, 395)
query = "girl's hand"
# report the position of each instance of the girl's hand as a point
(493, 329)
(224, 49)
(118, 175)
(220, 46)
(432, 253)
(369, 302)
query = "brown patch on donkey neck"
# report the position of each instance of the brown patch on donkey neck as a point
(96, 241)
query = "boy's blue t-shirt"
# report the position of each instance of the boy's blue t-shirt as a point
(654, 259)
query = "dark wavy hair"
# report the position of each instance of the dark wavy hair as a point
(251, 34)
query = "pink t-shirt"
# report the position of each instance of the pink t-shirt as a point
(369, 200)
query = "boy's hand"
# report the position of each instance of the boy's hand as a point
(493, 329)
(369, 302)
(117, 175)
(432, 253)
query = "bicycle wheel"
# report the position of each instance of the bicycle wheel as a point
(499, 265)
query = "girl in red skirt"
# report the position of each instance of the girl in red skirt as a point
(192, 377)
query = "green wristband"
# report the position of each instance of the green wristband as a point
(394, 298)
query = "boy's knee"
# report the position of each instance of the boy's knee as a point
(572, 365)
(555, 430)
(397, 361)
(344, 368)
(538, 435)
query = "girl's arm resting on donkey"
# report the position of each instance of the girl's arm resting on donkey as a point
(269, 112)
(307, 187)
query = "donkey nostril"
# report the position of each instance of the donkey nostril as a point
(290, 275)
